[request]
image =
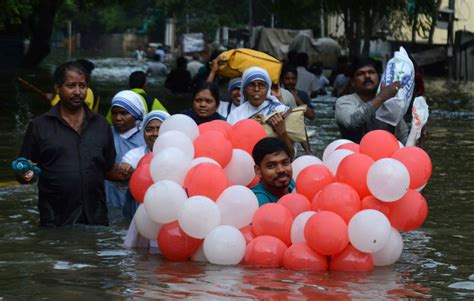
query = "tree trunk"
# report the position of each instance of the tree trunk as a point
(41, 27)
(434, 17)
(367, 32)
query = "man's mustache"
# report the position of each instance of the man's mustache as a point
(368, 81)
(282, 175)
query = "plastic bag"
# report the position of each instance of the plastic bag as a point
(420, 113)
(399, 68)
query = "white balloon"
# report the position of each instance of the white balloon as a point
(304, 161)
(237, 205)
(182, 123)
(198, 216)
(240, 169)
(225, 245)
(145, 225)
(170, 164)
(163, 200)
(332, 147)
(199, 255)
(174, 139)
(391, 251)
(369, 230)
(388, 180)
(334, 159)
(204, 160)
(297, 228)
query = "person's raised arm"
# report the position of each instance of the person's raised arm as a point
(277, 122)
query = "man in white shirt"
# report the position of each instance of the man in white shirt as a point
(307, 81)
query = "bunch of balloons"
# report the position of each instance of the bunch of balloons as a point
(344, 215)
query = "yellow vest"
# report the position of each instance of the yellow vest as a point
(89, 101)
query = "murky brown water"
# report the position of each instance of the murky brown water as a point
(87, 262)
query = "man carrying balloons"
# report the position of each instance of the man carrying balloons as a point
(273, 166)
(355, 113)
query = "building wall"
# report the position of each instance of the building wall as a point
(464, 12)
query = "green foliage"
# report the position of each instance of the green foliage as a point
(14, 13)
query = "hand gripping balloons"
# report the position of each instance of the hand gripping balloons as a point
(205, 179)
(391, 251)
(246, 133)
(240, 168)
(326, 233)
(145, 225)
(163, 200)
(304, 161)
(198, 216)
(265, 251)
(297, 228)
(301, 257)
(140, 181)
(214, 145)
(418, 164)
(353, 171)
(388, 180)
(409, 212)
(351, 260)
(379, 144)
(224, 245)
(274, 220)
(339, 198)
(174, 139)
(237, 205)
(295, 202)
(312, 179)
(170, 164)
(369, 230)
(182, 123)
(175, 244)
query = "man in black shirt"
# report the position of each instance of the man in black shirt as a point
(74, 149)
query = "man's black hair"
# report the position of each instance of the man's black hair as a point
(268, 146)
(288, 68)
(137, 80)
(212, 87)
(88, 65)
(60, 72)
(181, 62)
(157, 57)
(360, 62)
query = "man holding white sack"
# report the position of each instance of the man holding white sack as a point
(356, 113)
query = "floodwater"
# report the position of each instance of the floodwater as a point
(89, 262)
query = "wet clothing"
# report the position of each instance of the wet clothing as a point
(265, 197)
(355, 118)
(307, 81)
(116, 191)
(157, 69)
(73, 167)
(199, 120)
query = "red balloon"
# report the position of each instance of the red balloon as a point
(350, 146)
(224, 125)
(175, 244)
(326, 233)
(247, 231)
(265, 251)
(140, 181)
(370, 202)
(296, 203)
(206, 179)
(379, 144)
(214, 145)
(409, 212)
(339, 198)
(146, 159)
(302, 257)
(254, 182)
(211, 126)
(312, 179)
(353, 171)
(274, 220)
(246, 133)
(351, 260)
(418, 163)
